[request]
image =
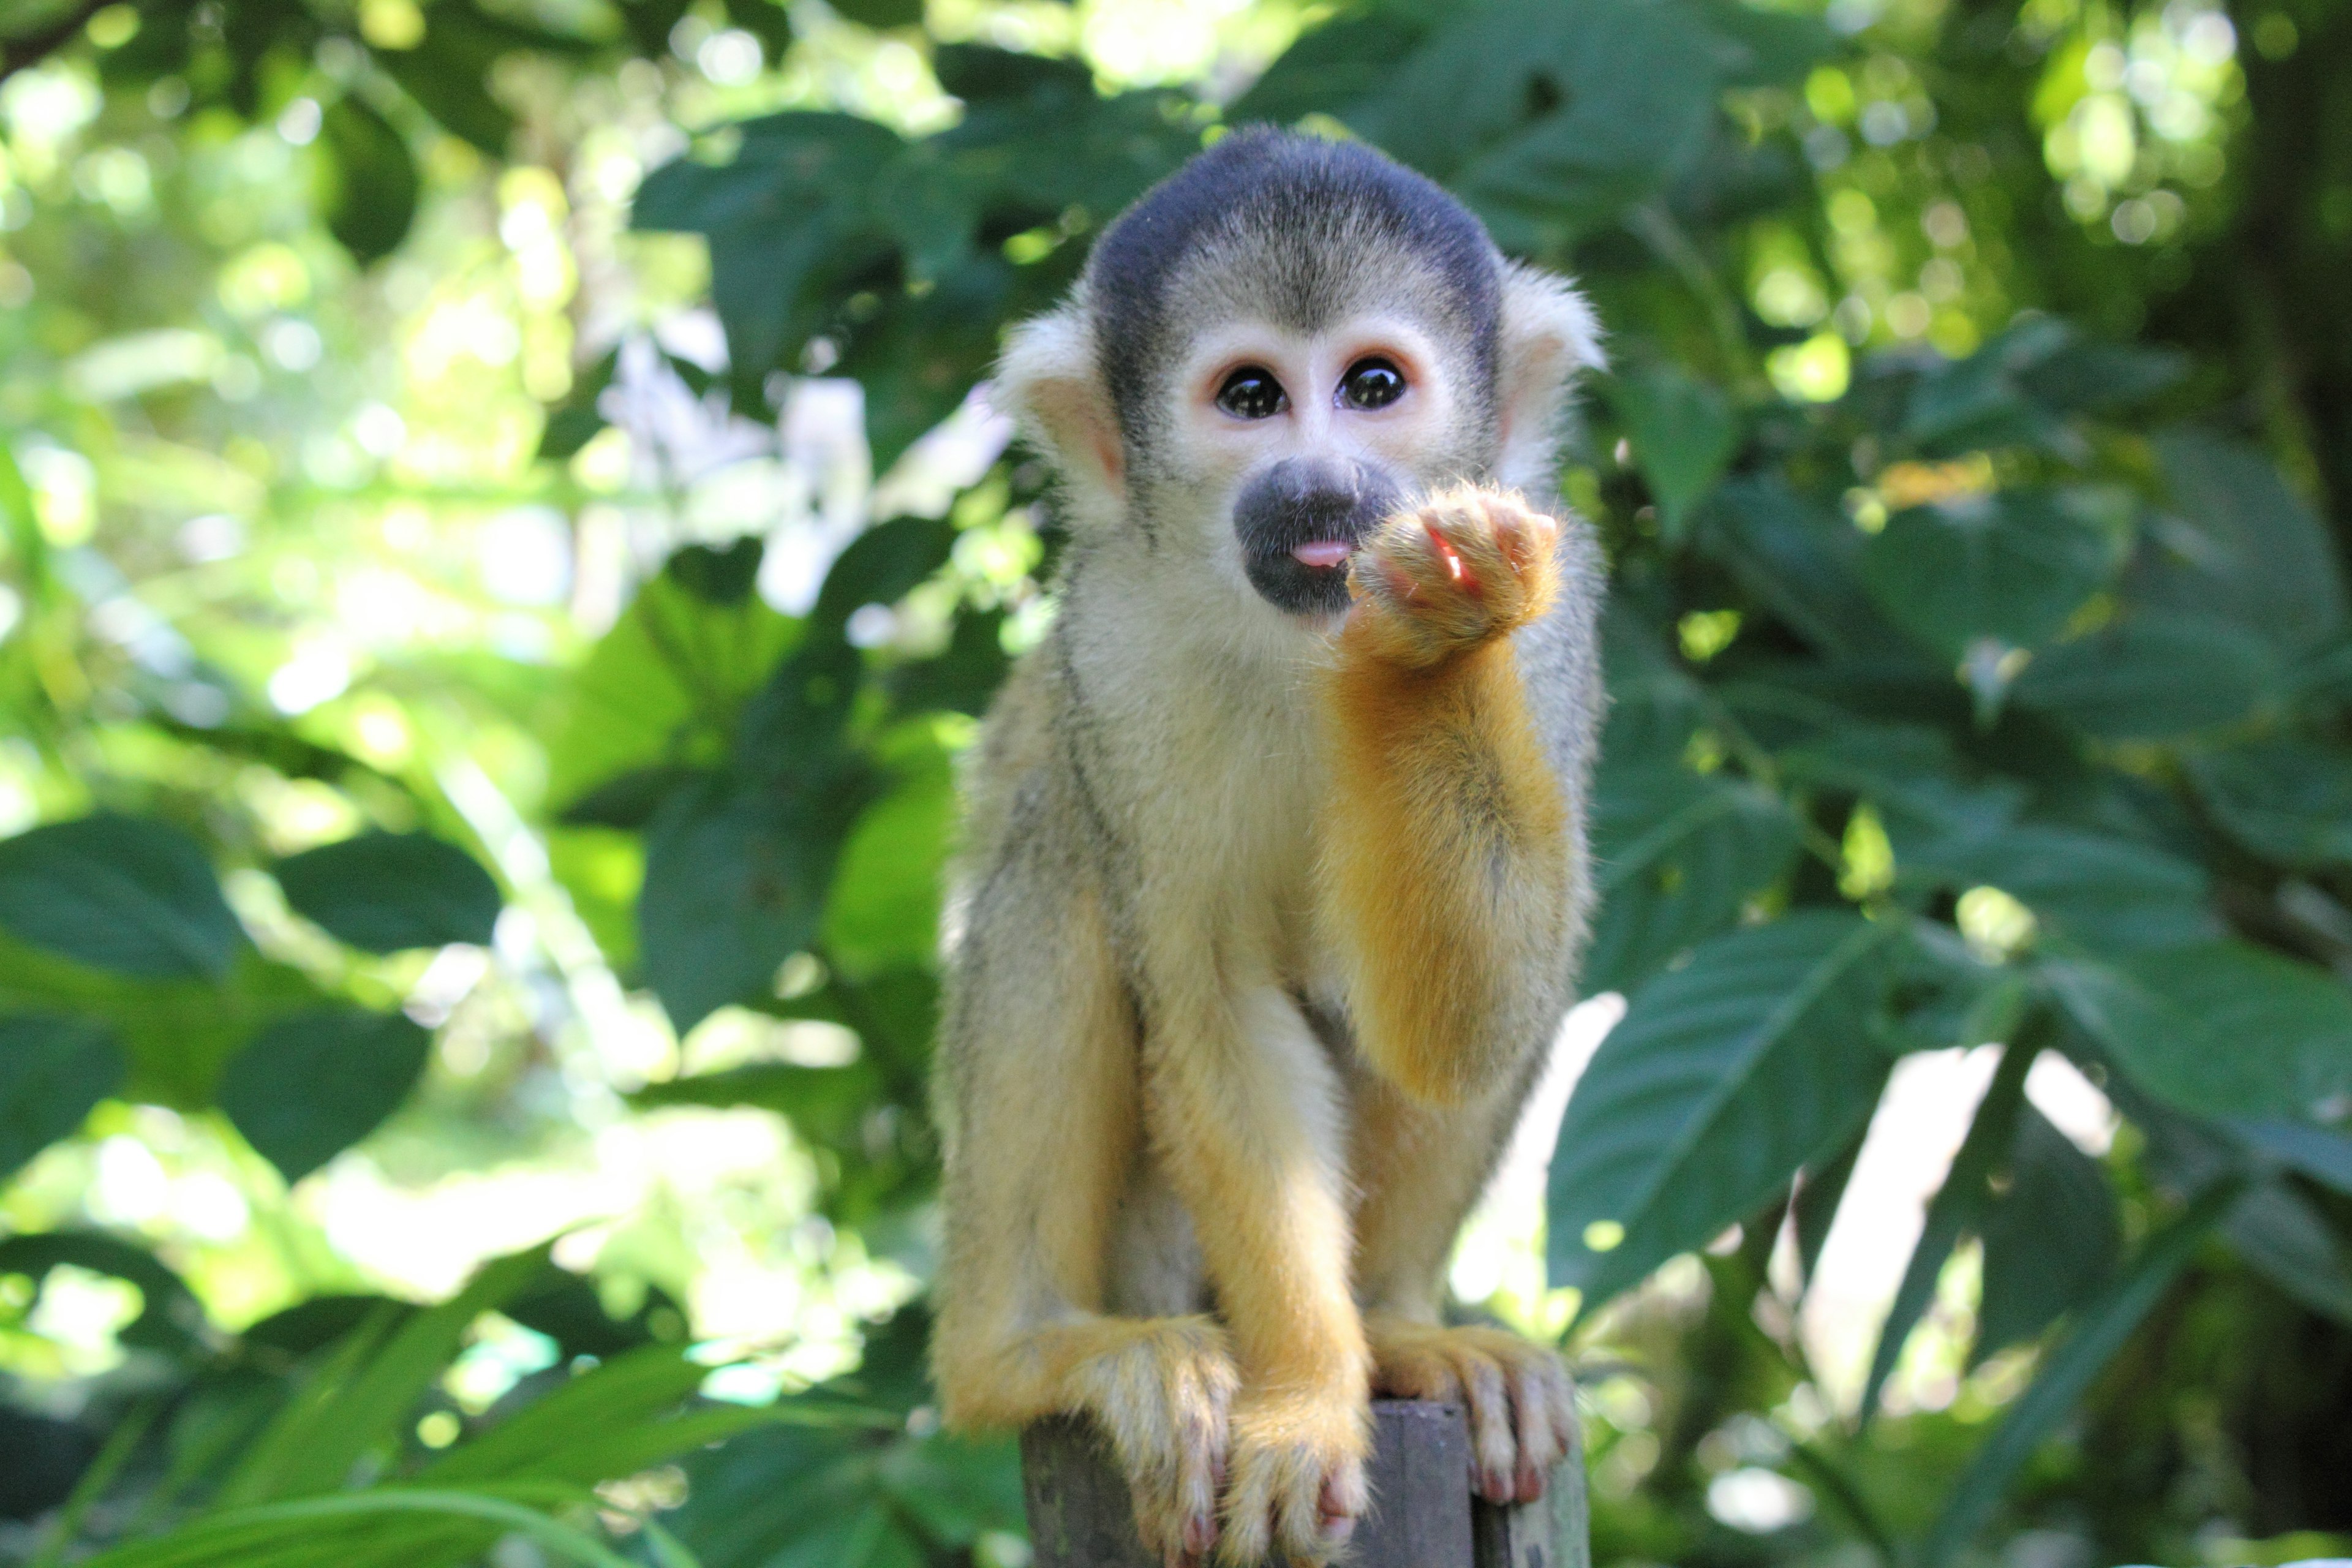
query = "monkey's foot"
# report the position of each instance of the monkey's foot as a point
(1518, 1396)
(1467, 565)
(1161, 1398)
(1297, 1477)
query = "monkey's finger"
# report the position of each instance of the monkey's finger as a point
(1491, 1440)
(1539, 1445)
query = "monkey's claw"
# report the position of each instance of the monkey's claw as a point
(1520, 1402)
(1298, 1483)
(1468, 564)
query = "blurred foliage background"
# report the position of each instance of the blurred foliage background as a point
(502, 552)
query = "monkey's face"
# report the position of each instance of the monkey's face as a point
(1297, 443)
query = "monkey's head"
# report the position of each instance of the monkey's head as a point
(1278, 346)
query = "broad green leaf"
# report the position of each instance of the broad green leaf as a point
(1683, 433)
(2223, 1028)
(1957, 1206)
(1675, 855)
(1801, 561)
(2288, 1241)
(2100, 1330)
(312, 1085)
(883, 911)
(52, 1071)
(386, 891)
(881, 567)
(662, 688)
(2150, 678)
(722, 576)
(735, 884)
(2050, 1239)
(2288, 801)
(369, 181)
(1548, 117)
(2238, 545)
(2089, 891)
(1726, 1075)
(2007, 569)
(121, 893)
(2322, 1153)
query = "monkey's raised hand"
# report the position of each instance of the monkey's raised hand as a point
(1469, 565)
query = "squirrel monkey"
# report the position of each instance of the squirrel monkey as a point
(1274, 875)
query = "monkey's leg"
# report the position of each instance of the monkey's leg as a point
(1445, 879)
(1040, 1101)
(1419, 1169)
(1244, 1107)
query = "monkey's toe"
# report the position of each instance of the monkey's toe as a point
(1517, 1396)
(1297, 1485)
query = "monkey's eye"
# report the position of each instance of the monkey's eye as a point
(1373, 383)
(1252, 393)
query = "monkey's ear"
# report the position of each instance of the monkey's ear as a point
(1549, 336)
(1050, 384)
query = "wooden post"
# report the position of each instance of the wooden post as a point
(1424, 1514)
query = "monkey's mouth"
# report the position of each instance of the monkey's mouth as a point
(1301, 519)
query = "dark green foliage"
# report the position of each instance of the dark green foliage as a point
(52, 1070)
(119, 893)
(312, 1085)
(368, 180)
(386, 891)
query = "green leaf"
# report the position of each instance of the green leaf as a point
(1801, 561)
(735, 884)
(367, 1388)
(2009, 568)
(662, 688)
(52, 1071)
(448, 72)
(2287, 1240)
(883, 13)
(400, 1518)
(1683, 433)
(369, 178)
(2238, 545)
(1549, 118)
(2088, 891)
(2289, 801)
(2221, 1029)
(2150, 678)
(383, 892)
(1725, 1076)
(883, 910)
(121, 893)
(718, 574)
(313, 1085)
(2100, 1331)
(1675, 857)
(881, 567)
(2051, 1240)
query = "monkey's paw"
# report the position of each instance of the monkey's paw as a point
(1468, 564)
(1163, 1400)
(1521, 1403)
(1297, 1477)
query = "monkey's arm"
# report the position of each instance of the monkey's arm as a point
(1448, 855)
